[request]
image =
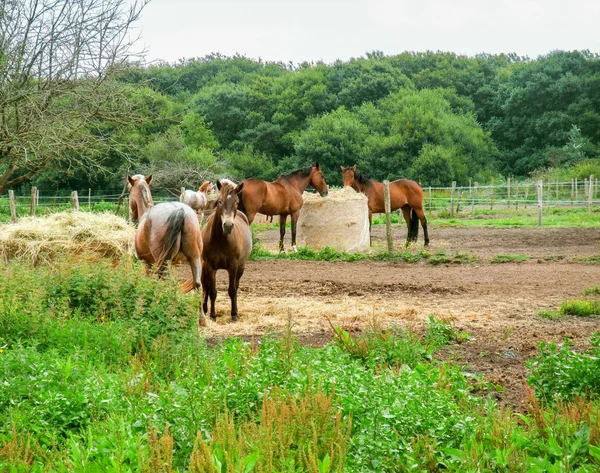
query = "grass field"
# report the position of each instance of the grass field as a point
(103, 369)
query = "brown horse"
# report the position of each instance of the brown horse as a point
(167, 232)
(281, 197)
(227, 244)
(404, 194)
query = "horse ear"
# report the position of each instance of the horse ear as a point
(343, 168)
(354, 167)
(130, 179)
(317, 165)
(239, 188)
(149, 179)
(219, 185)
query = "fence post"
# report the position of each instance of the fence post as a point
(526, 193)
(181, 194)
(576, 190)
(585, 190)
(508, 192)
(75, 200)
(517, 196)
(572, 191)
(388, 221)
(492, 195)
(89, 199)
(540, 197)
(590, 192)
(556, 189)
(452, 199)
(33, 204)
(473, 198)
(430, 200)
(13, 207)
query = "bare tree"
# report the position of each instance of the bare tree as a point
(57, 60)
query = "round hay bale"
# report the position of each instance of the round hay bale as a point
(340, 221)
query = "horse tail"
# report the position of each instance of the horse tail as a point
(414, 225)
(170, 240)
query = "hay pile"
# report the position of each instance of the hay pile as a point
(340, 220)
(64, 234)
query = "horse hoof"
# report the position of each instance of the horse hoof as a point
(294, 248)
(234, 318)
(202, 322)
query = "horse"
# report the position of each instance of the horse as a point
(281, 197)
(197, 200)
(404, 194)
(227, 243)
(167, 232)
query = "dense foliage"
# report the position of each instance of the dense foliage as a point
(433, 117)
(103, 369)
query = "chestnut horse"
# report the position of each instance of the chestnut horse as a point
(281, 197)
(227, 244)
(404, 194)
(167, 232)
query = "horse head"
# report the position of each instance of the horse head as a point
(317, 180)
(227, 204)
(206, 187)
(140, 198)
(348, 177)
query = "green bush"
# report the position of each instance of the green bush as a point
(561, 371)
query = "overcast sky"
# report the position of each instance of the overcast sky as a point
(313, 30)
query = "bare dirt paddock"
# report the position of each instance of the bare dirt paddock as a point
(495, 303)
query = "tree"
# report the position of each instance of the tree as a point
(57, 60)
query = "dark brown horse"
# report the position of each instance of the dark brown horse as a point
(227, 244)
(281, 197)
(404, 194)
(167, 232)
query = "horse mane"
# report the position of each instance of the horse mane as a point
(146, 195)
(364, 179)
(303, 172)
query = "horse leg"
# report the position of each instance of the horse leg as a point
(282, 220)
(421, 215)
(294, 219)
(233, 287)
(370, 224)
(209, 288)
(406, 214)
(205, 290)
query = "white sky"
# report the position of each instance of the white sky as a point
(312, 30)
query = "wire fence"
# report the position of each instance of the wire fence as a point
(450, 200)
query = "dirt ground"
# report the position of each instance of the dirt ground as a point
(495, 303)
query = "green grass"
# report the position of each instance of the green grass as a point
(580, 308)
(503, 218)
(103, 369)
(590, 259)
(550, 314)
(510, 258)
(592, 290)
(329, 254)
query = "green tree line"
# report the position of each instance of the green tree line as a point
(432, 117)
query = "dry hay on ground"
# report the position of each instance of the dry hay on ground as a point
(66, 233)
(340, 220)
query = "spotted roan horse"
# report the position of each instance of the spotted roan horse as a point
(167, 232)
